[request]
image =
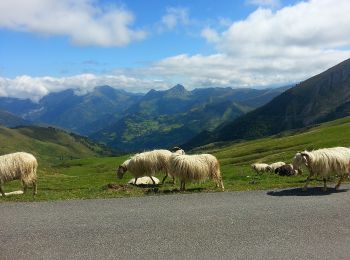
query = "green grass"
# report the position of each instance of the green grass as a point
(88, 177)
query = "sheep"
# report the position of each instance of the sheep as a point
(273, 166)
(195, 168)
(144, 181)
(18, 166)
(324, 162)
(260, 167)
(147, 164)
(287, 170)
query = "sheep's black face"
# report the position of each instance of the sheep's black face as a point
(120, 172)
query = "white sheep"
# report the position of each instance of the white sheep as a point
(146, 164)
(18, 166)
(260, 167)
(195, 168)
(273, 166)
(324, 162)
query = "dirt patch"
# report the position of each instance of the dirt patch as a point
(117, 187)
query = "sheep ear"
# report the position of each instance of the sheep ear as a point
(306, 158)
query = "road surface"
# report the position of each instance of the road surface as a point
(284, 224)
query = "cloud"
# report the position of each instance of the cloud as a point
(210, 35)
(174, 16)
(265, 3)
(35, 88)
(294, 31)
(268, 48)
(83, 21)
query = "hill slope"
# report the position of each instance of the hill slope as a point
(10, 120)
(48, 144)
(321, 98)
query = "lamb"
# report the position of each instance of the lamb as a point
(18, 166)
(195, 168)
(260, 167)
(147, 164)
(287, 170)
(324, 162)
(273, 166)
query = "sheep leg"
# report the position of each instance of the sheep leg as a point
(166, 175)
(154, 183)
(25, 187)
(339, 182)
(135, 180)
(182, 185)
(35, 188)
(324, 184)
(222, 185)
(173, 182)
(2, 190)
(307, 183)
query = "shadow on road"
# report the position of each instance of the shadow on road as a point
(174, 191)
(312, 191)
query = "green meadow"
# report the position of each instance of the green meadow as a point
(95, 177)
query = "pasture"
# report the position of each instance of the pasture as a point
(95, 177)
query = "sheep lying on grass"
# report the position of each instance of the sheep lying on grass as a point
(18, 166)
(324, 162)
(144, 181)
(287, 170)
(198, 167)
(273, 166)
(260, 167)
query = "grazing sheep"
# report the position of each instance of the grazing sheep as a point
(18, 166)
(146, 164)
(260, 167)
(287, 170)
(195, 168)
(273, 166)
(324, 162)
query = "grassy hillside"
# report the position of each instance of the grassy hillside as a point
(49, 145)
(89, 177)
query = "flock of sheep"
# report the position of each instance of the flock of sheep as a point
(173, 163)
(321, 162)
(187, 168)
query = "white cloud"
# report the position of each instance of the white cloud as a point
(174, 16)
(82, 21)
(210, 35)
(317, 25)
(35, 88)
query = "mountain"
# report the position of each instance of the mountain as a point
(83, 114)
(10, 120)
(171, 117)
(321, 98)
(48, 144)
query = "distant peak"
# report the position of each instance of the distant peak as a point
(177, 90)
(178, 87)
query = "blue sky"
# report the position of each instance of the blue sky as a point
(49, 45)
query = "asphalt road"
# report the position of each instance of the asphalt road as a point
(285, 224)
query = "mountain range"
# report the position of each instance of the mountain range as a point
(321, 98)
(129, 121)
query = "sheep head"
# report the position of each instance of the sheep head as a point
(177, 150)
(299, 159)
(120, 171)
